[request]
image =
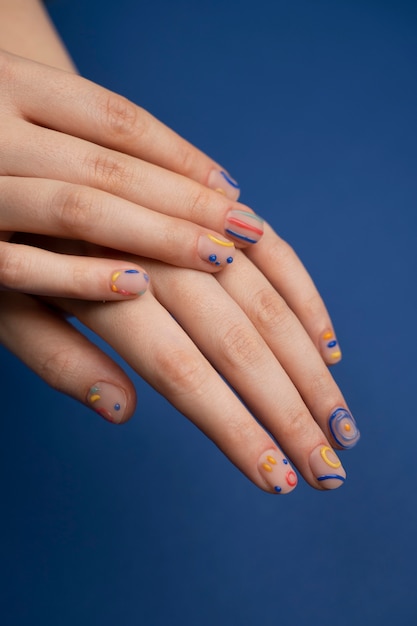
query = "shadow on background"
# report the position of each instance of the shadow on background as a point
(312, 107)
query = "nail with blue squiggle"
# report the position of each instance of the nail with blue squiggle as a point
(327, 468)
(129, 282)
(343, 428)
(215, 250)
(277, 472)
(329, 347)
(221, 181)
(244, 226)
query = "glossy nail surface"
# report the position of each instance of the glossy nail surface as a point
(129, 282)
(327, 467)
(343, 428)
(221, 181)
(215, 250)
(277, 471)
(108, 400)
(329, 347)
(244, 226)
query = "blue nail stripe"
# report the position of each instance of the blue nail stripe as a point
(330, 476)
(332, 344)
(231, 182)
(343, 428)
(238, 236)
(131, 272)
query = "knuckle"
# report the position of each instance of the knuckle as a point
(12, 266)
(7, 69)
(119, 117)
(74, 207)
(179, 372)
(185, 157)
(59, 368)
(295, 428)
(269, 309)
(200, 202)
(108, 171)
(241, 346)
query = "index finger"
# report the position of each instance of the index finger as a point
(108, 119)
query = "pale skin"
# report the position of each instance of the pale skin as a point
(131, 175)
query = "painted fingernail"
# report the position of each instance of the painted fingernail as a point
(244, 226)
(108, 401)
(221, 181)
(329, 347)
(129, 282)
(277, 471)
(327, 468)
(215, 250)
(343, 428)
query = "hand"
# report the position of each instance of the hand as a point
(98, 168)
(234, 324)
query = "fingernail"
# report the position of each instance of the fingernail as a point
(277, 471)
(108, 401)
(215, 250)
(329, 347)
(129, 282)
(343, 428)
(244, 226)
(221, 181)
(327, 468)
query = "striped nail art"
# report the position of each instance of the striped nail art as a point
(244, 226)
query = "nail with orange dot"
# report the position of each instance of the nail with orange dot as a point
(277, 472)
(329, 347)
(343, 428)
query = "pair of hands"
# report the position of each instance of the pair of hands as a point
(96, 197)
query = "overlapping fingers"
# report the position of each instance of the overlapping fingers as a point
(58, 209)
(107, 119)
(271, 363)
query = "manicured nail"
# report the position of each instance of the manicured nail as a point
(244, 226)
(108, 401)
(129, 282)
(277, 471)
(343, 428)
(329, 347)
(221, 181)
(215, 250)
(327, 468)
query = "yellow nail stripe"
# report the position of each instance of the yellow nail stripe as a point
(94, 398)
(336, 355)
(323, 454)
(271, 460)
(328, 335)
(267, 467)
(227, 244)
(115, 276)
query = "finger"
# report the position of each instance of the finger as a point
(30, 151)
(27, 269)
(280, 264)
(159, 350)
(64, 358)
(58, 209)
(107, 119)
(223, 332)
(284, 334)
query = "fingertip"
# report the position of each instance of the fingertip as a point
(129, 282)
(215, 250)
(221, 181)
(110, 401)
(277, 472)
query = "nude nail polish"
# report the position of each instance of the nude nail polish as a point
(129, 282)
(244, 226)
(329, 347)
(215, 250)
(327, 468)
(108, 400)
(221, 181)
(343, 428)
(277, 471)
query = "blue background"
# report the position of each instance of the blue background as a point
(312, 107)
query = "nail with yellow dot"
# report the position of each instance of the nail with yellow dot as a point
(343, 428)
(329, 347)
(277, 472)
